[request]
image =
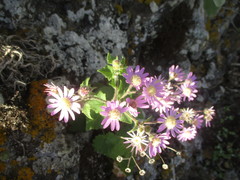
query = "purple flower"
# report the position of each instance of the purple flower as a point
(175, 73)
(170, 121)
(191, 79)
(152, 91)
(188, 91)
(157, 143)
(187, 134)
(197, 121)
(64, 101)
(135, 77)
(112, 113)
(133, 104)
(137, 141)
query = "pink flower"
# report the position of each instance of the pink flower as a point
(175, 73)
(112, 113)
(157, 143)
(187, 114)
(135, 77)
(208, 116)
(187, 134)
(51, 88)
(133, 104)
(64, 101)
(153, 90)
(170, 121)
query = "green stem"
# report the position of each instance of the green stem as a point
(116, 89)
(154, 122)
(136, 163)
(127, 92)
(98, 99)
(132, 118)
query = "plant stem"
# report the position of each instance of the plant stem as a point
(136, 163)
(127, 92)
(132, 118)
(98, 99)
(116, 89)
(154, 122)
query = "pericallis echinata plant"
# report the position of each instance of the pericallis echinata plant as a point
(143, 112)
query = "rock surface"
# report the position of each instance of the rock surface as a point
(61, 38)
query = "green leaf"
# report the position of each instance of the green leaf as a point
(94, 122)
(108, 90)
(79, 125)
(87, 110)
(210, 8)
(85, 82)
(219, 3)
(107, 72)
(110, 145)
(110, 58)
(92, 109)
(123, 86)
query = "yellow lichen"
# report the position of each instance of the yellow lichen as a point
(25, 173)
(119, 8)
(41, 123)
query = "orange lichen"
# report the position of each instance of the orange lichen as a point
(41, 123)
(3, 177)
(25, 173)
(2, 166)
(2, 137)
(13, 163)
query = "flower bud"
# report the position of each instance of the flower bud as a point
(165, 166)
(178, 153)
(151, 161)
(142, 154)
(127, 170)
(119, 158)
(142, 172)
(83, 91)
(116, 65)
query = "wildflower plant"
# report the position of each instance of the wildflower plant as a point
(122, 107)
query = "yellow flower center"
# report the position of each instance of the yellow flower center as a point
(187, 117)
(156, 142)
(136, 80)
(170, 122)
(136, 141)
(187, 92)
(114, 114)
(66, 103)
(151, 90)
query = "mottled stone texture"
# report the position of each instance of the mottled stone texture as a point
(60, 39)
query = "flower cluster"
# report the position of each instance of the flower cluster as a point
(134, 91)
